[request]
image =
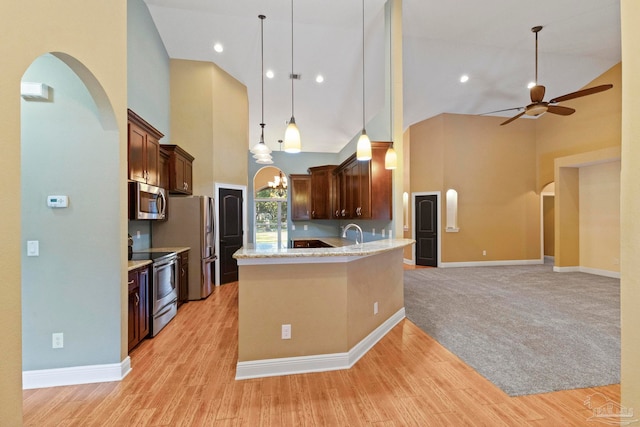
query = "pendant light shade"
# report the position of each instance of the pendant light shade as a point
(292, 143)
(363, 149)
(261, 151)
(390, 158)
(292, 137)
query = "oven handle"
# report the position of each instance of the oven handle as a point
(166, 309)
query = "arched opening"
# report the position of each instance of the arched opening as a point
(270, 208)
(72, 284)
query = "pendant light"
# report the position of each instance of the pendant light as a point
(261, 151)
(363, 149)
(292, 134)
(390, 158)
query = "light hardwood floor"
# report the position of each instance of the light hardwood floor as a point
(185, 377)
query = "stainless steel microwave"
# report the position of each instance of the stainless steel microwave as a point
(146, 201)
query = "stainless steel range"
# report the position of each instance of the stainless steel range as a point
(163, 295)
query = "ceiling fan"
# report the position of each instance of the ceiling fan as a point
(538, 106)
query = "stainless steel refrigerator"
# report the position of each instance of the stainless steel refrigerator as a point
(191, 223)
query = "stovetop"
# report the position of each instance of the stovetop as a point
(153, 256)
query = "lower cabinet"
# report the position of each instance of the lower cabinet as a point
(138, 306)
(183, 279)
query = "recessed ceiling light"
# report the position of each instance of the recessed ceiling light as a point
(319, 78)
(218, 47)
(269, 74)
(464, 78)
(531, 84)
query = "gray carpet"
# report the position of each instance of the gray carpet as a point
(525, 328)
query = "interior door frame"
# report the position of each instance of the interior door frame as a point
(216, 198)
(438, 195)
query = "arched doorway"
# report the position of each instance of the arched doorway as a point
(270, 208)
(72, 285)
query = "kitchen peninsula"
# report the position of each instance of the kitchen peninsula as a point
(316, 309)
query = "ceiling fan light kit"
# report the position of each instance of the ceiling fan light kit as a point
(537, 91)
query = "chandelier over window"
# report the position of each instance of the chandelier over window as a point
(279, 185)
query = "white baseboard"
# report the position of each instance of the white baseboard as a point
(595, 271)
(319, 362)
(409, 261)
(492, 263)
(76, 375)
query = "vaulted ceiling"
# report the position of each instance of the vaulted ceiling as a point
(491, 41)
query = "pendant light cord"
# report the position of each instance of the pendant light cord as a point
(391, 74)
(292, 75)
(363, 114)
(537, 57)
(262, 17)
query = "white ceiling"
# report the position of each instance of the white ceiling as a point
(490, 40)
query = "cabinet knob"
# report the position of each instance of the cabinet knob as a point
(337, 212)
(131, 282)
(344, 213)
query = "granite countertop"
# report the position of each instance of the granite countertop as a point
(141, 263)
(342, 247)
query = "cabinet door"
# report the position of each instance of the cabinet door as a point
(134, 300)
(300, 196)
(163, 170)
(143, 305)
(183, 283)
(152, 157)
(364, 190)
(137, 142)
(321, 193)
(188, 177)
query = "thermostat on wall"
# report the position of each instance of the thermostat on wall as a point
(57, 201)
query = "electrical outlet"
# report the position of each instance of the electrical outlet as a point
(306, 227)
(484, 253)
(373, 231)
(137, 234)
(57, 340)
(286, 332)
(383, 232)
(375, 307)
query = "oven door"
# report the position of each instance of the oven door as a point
(165, 275)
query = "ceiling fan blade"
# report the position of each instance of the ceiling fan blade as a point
(583, 92)
(512, 119)
(558, 109)
(500, 111)
(537, 93)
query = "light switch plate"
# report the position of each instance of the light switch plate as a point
(33, 248)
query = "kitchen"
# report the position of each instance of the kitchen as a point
(112, 237)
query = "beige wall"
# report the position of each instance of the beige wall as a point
(599, 189)
(630, 206)
(594, 125)
(209, 119)
(29, 30)
(491, 169)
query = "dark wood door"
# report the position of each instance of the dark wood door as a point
(231, 232)
(426, 214)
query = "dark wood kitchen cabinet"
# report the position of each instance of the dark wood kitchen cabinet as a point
(138, 306)
(163, 169)
(323, 191)
(143, 150)
(300, 196)
(183, 279)
(364, 187)
(180, 170)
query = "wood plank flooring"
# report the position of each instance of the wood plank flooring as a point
(185, 377)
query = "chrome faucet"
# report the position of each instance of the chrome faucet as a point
(357, 227)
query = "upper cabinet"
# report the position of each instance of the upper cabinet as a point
(300, 197)
(364, 187)
(323, 191)
(180, 169)
(143, 150)
(353, 190)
